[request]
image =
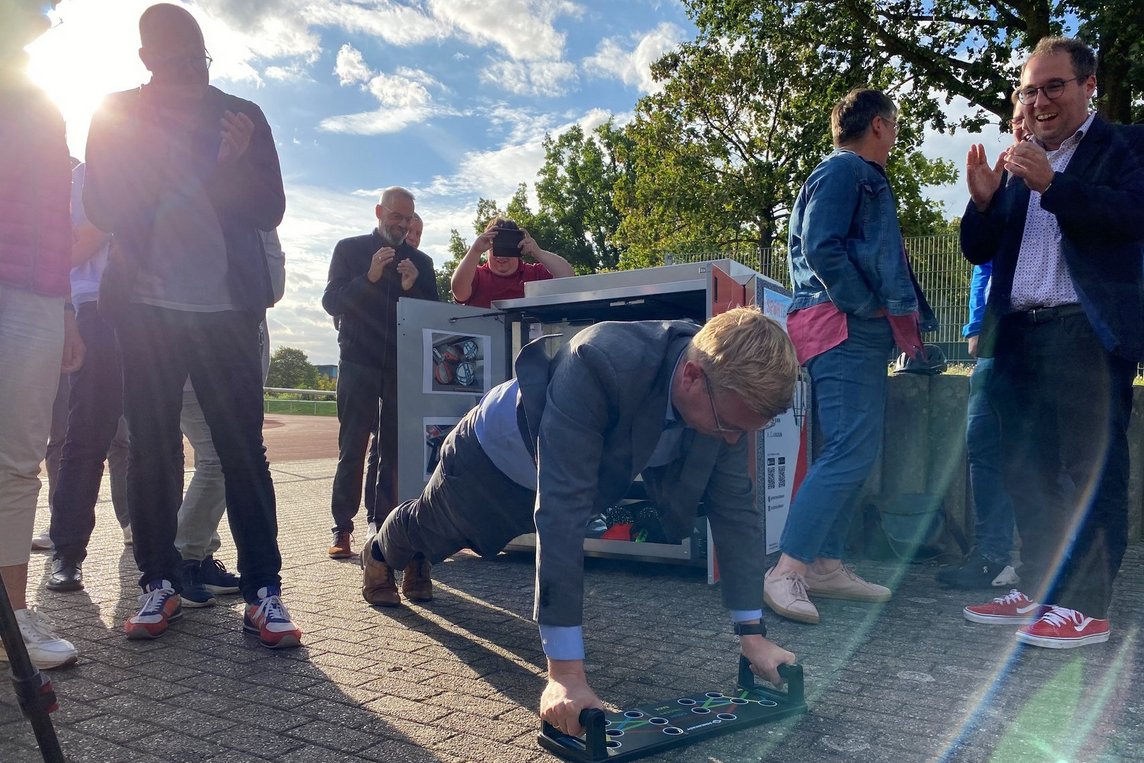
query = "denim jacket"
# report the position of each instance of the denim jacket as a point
(845, 245)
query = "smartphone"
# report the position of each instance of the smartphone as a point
(507, 242)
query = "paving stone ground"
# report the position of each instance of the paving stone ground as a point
(458, 679)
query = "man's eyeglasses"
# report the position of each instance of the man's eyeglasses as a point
(397, 217)
(891, 122)
(715, 412)
(1053, 90)
(198, 63)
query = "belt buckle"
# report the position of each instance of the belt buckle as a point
(1040, 314)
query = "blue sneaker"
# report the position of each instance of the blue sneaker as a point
(194, 593)
(216, 578)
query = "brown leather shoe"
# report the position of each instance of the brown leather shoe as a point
(340, 548)
(416, 585)
(378, 587)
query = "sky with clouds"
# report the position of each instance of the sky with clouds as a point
(450, 98)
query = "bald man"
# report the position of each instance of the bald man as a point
(185, 176)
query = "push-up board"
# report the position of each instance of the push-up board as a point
(653, 728)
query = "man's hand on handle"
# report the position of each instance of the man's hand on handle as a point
(765, 657)
(566, 695)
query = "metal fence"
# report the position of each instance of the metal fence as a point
(941, 270)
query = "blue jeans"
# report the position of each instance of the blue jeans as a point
(161, 349)
(95, 433)
(848, 390)
(993, 525)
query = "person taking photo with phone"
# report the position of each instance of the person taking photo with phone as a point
(504, 273)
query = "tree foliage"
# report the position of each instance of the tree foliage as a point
(970, 48)
(718, 155)
(290, 368)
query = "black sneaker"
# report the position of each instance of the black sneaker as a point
(974, 572)
(194, 594)
(215, 578)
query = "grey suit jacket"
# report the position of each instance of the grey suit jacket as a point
(595, 412)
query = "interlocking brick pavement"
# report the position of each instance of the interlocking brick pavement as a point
(458, 679)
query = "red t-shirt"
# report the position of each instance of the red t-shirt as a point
(489, 287)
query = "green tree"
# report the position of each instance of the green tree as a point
(575, 190)
(457, 249)
(291, 369)
(718, 155)
(959, 47)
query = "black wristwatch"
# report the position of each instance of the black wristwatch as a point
(751, 629)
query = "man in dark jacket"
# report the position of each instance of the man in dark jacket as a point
(1064, 323)
(185, 176)
(368, 274)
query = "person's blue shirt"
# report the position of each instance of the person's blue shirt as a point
(978, 291)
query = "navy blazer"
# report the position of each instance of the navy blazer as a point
(595, 412)
(1099, 203)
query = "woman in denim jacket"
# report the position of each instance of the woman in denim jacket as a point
(854, 296)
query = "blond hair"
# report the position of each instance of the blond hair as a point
(749, 354)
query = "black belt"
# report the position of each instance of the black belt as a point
(1045, 314)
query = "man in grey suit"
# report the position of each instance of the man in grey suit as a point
(566, 438)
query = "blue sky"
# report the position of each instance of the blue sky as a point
(450, 98)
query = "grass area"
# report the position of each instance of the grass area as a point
(301, 407)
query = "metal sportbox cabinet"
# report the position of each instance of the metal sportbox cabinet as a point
(449, 355)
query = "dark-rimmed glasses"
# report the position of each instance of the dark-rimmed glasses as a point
(198, 62)
(397, 217)
(715, 412)
(1053, 90)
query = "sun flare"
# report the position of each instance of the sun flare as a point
(93, 52)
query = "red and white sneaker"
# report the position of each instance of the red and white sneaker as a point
(269, 620)
(1015, 607)
(1063, 628)
(159, 606)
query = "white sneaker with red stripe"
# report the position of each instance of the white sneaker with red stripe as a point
(1063, 628)
(1014, 607)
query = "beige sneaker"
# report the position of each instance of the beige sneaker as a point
(786, 595)
(843, 583)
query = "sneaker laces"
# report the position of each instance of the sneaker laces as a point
(216, 564)
(797, 586)
(1013, 597)
(271, 610)
(1058, 616)
(151, 602)
(36, 627)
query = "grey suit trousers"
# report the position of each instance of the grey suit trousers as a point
(467, 503)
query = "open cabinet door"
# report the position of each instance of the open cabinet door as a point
(448, 356)
(726, 293)
(783, 447)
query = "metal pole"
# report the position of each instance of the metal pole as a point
(33, 689)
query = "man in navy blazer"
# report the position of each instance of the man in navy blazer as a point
(566, 438)
(1060, 218)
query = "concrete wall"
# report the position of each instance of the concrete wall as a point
(924, 449)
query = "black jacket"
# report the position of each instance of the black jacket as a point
(127, 174)
(367, 312)
(1097, 201)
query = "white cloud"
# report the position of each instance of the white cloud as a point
(524, 29)
(632, 66)
(549, 78)
(350, 66)
(403, 98)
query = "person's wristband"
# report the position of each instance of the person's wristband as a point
(750, 629)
